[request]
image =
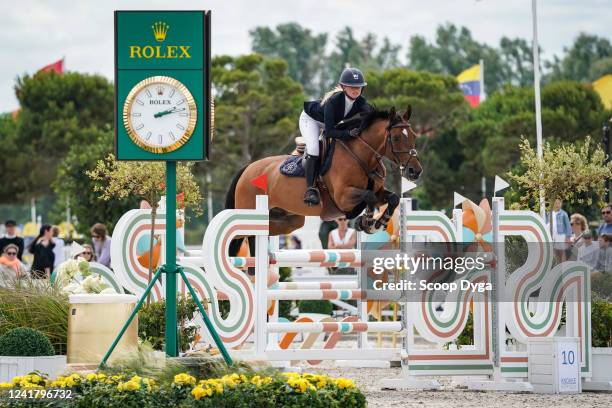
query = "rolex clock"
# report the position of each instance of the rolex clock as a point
(162, 85)
(159, 114)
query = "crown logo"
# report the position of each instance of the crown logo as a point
(160, 29)
(160, 90)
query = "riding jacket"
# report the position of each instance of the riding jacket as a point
(332, 112)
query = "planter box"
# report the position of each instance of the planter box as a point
(601, 379)
(13, 366)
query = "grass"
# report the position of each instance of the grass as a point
(35, 304)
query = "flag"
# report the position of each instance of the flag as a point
(470, 84)
(603, 86)
(57, 67)
(261, 182)
(500, 184)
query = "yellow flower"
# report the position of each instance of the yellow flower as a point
(184, 379)
(200, 392)
(5, 385)
(132, 385)
(35, 378)
(91, 377)
(16, 380)
(300, 384)
(344, 383)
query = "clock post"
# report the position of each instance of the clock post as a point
(162, 94)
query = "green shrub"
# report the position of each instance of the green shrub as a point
(284, 306)
(601, 286)
(38, 305)
(152, 323)
(25, 342)
(316, 306)
(601, 323)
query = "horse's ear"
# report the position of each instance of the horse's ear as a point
(407, 114)
(392, 113)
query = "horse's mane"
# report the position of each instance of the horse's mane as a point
(378, 114)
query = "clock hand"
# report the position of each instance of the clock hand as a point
(168, 111)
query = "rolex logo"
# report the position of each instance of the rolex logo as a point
(160, 29)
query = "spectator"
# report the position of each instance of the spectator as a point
(579, 226)
(58, 249)
(342, 237)
(587, 252)
(10, 266)
(10, 237)
(42, 248)
(604, 259)
(561, 230)
(606, 227)
(87, 254)
(101, 244)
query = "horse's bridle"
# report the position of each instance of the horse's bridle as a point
(388, 142)
(411, 152)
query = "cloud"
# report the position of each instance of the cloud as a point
(37, 33)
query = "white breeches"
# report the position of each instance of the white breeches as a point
(310, 130)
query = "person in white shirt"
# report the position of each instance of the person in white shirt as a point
(58, 249)
(342, 237)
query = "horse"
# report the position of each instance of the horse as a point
(355, 179)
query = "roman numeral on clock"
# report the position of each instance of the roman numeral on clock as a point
(161, 139)
(148, 135)
(138, 101)
(171, 135)
(178, 125)
(139, 127)
(148, 93)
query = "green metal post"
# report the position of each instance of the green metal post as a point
(170, 267)
(129, 320)
(207, 322)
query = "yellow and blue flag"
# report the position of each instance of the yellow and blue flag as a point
(470, 83)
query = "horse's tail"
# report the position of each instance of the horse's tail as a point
(230, 198)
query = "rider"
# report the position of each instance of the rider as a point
(343, 101)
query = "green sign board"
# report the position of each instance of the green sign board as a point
(162, 85)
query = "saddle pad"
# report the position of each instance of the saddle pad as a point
(292, 166)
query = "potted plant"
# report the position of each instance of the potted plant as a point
(24, 350)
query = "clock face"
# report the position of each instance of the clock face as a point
(159, 114)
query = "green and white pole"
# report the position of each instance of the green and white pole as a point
(170, 266)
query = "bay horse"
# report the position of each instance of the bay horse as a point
(356, 177)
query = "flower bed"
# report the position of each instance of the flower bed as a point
(233, 390)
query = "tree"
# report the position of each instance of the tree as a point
(303, 51)
(72, 185)
(56, 112)
(572, 172)
(257, 106)
(579, 58)
(491, 137)
(455, 50)
(146, 180)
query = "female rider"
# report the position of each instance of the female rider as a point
(342, 102)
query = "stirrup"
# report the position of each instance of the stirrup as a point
(311, 196)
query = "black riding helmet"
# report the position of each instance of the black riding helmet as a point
(352, 77)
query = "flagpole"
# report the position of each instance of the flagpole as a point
(483, 94)
(538, 106)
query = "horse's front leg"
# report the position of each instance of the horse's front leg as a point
(364, 222)
(392, 200)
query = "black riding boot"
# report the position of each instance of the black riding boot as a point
(311, 166)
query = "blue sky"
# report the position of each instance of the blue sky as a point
(39, 32)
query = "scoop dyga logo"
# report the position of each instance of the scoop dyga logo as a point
(160, 31)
